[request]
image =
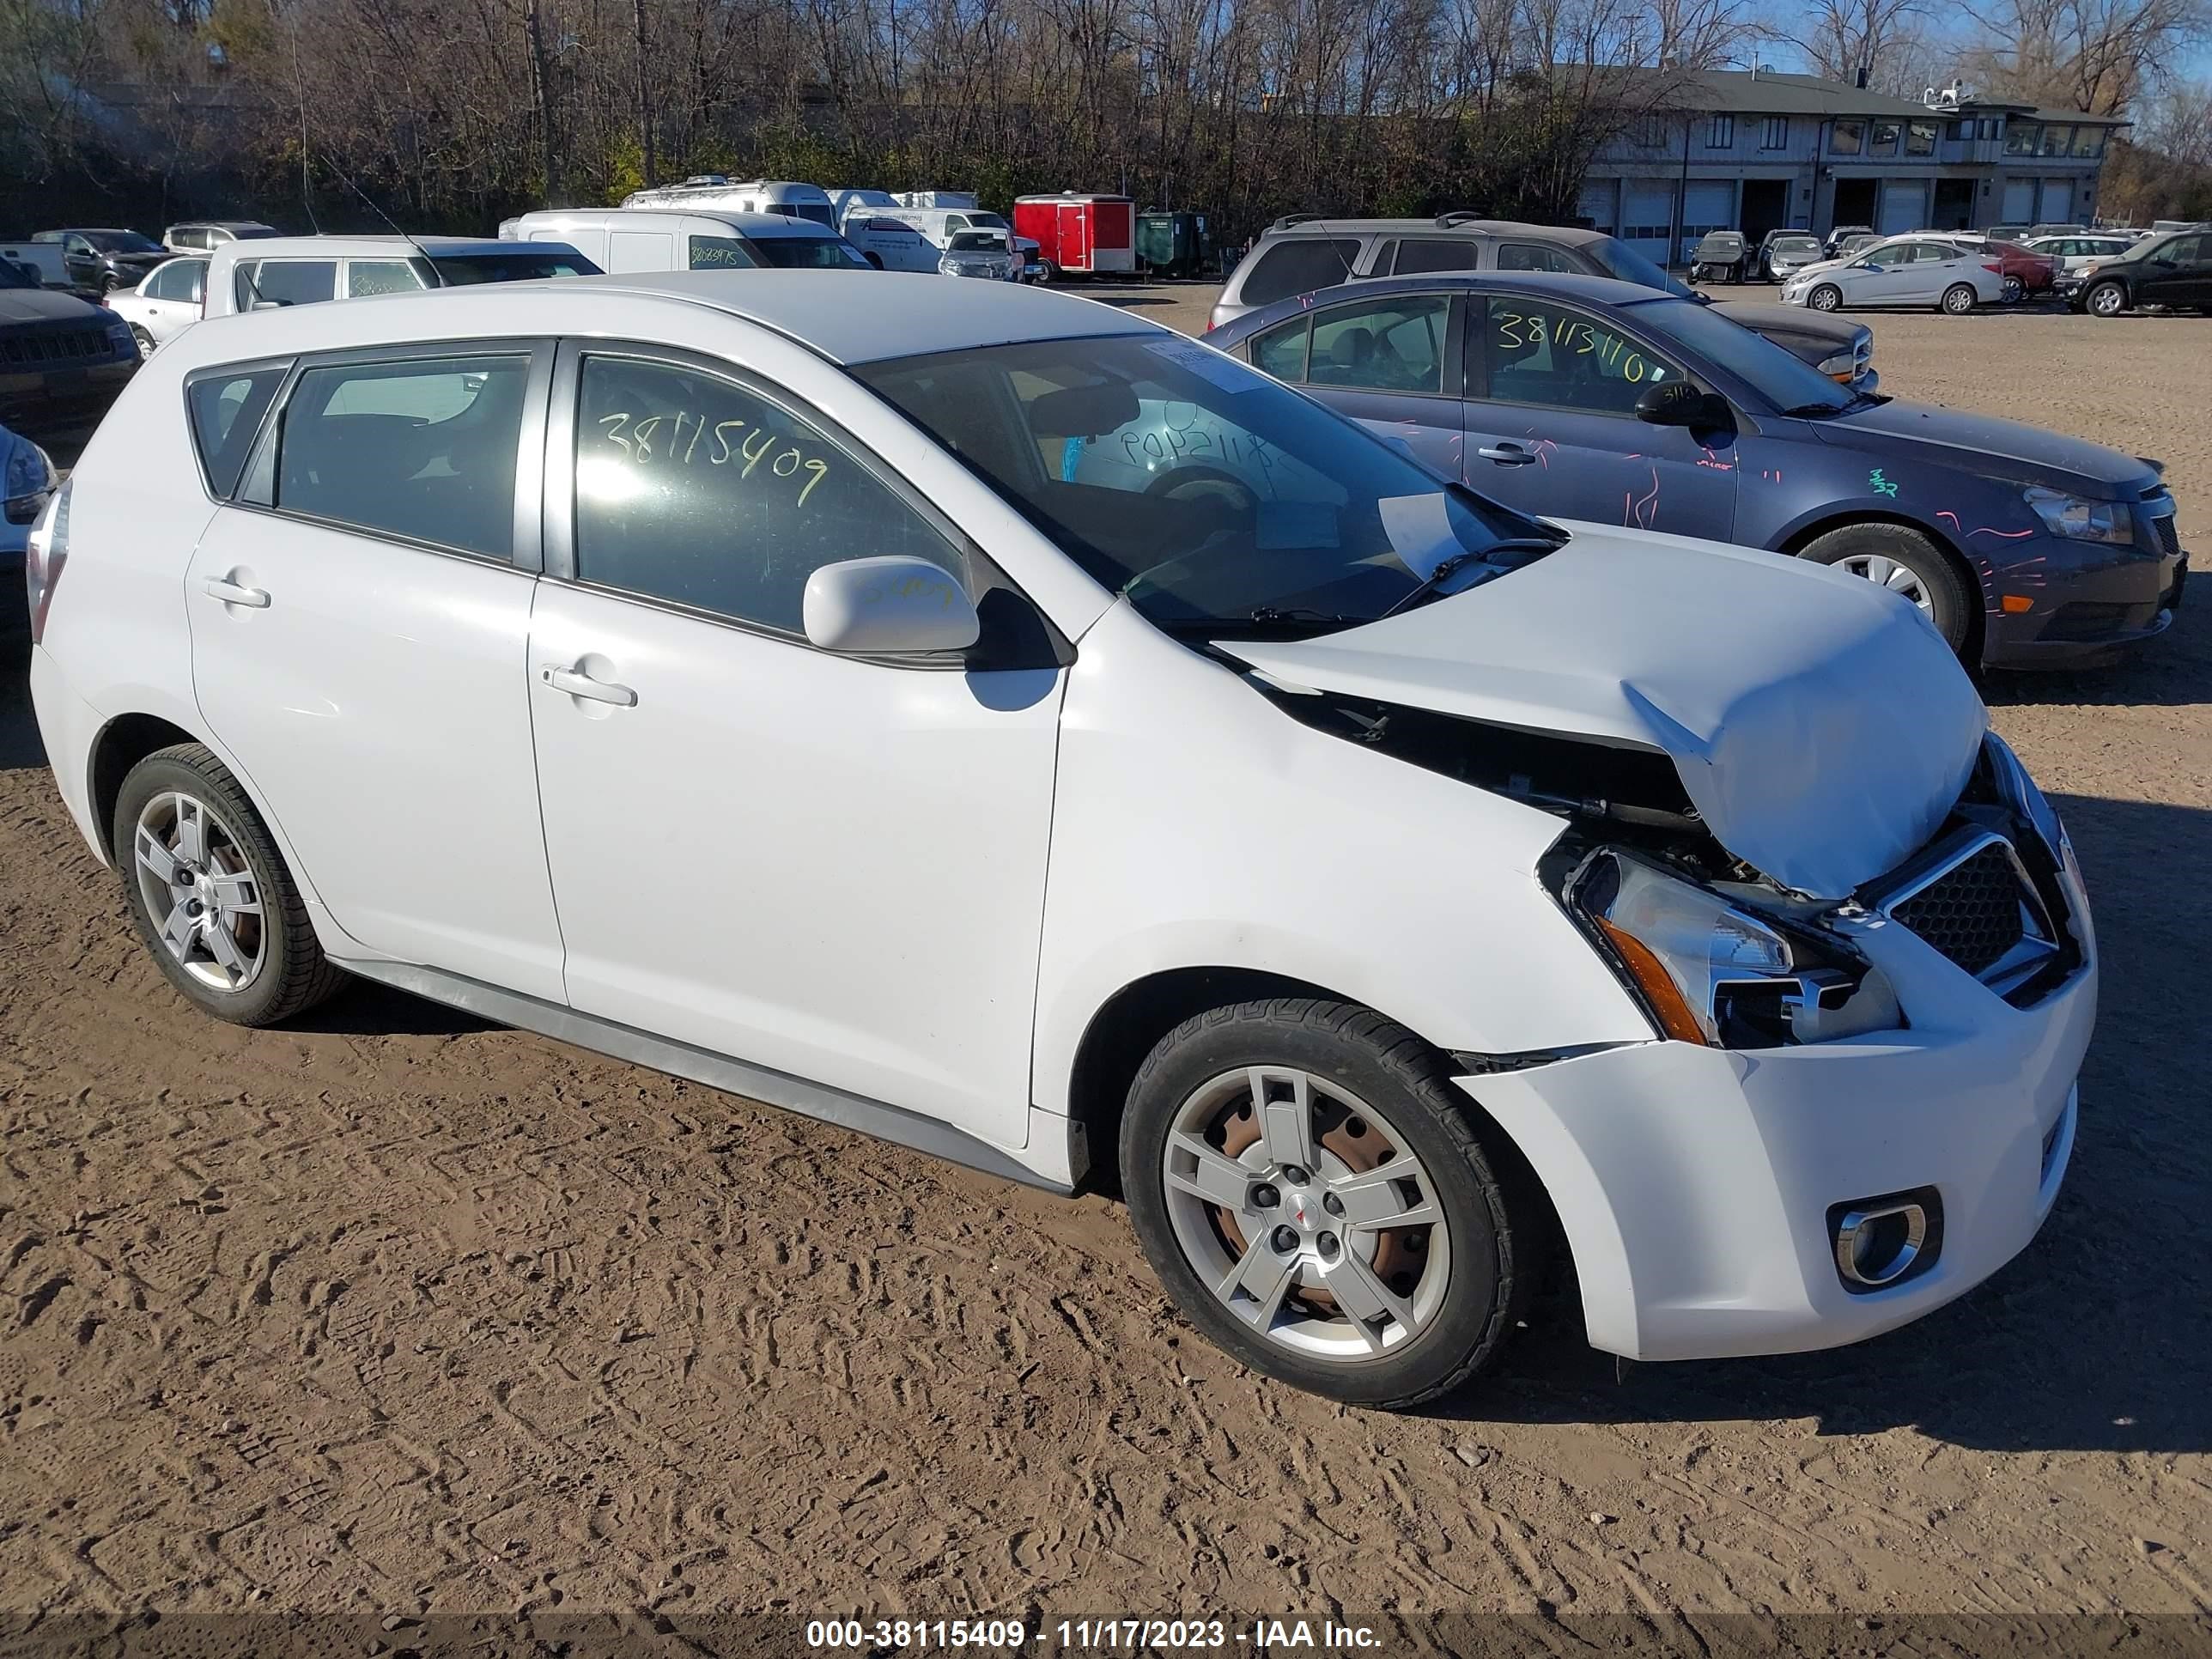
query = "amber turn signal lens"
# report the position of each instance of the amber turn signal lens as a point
(2016, 603)
(1675, 1019)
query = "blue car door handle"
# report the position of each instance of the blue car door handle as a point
(1506, 455)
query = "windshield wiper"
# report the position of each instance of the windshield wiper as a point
(1535, 547)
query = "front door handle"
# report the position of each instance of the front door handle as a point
(577, 683)
(231, 592)
(1507, 455)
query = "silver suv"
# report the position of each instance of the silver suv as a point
(1299, 255)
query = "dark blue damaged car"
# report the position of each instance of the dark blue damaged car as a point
(1577, 397)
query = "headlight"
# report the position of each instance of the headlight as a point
(2081, 521)
(1713, 973)
(29, 472)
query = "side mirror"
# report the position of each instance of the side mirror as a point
(1677, 403)
(891, 604)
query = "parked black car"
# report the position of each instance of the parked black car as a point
(2174, 270)
(100, 259)
(58, 354)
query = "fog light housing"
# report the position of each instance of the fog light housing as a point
(1883, 1241)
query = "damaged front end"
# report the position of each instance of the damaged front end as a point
(1717, 951)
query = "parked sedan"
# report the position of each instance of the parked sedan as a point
(1905, 271)
(1783, 253)
(984, 254)
(2022, 271)
(1379, 881)
(164, 305)
(1579, 399)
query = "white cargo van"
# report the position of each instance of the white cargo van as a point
(633, 239)
(937, 198)
(780, 196)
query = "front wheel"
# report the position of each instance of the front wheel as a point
(145, 340)
(1308, 1183)
(2106, 300)
(1827, 297)
(209, 893)
(1906, 563)
(1958, 299)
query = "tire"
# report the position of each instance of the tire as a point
(1376, 1097)
(247, 893)
(1879, 552)
(1827, 297)
(1958, 299)
(2106, 300)
(145, 340)
(2011, 291)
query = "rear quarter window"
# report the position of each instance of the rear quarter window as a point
(1298, 265)
(223, 408)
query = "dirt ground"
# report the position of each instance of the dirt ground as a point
(393, 1313)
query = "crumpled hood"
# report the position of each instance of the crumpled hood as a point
(1822, 728)
(1993, 448)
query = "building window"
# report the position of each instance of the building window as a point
(1721, 135)
(1960, 131)
(1651, 131)
(1920, 138)
(2056, 141)
(1885, 138)
(1774, 133)
(2089, 141)
(2020, 138)
(1847, 137)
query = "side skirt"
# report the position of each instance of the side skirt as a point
(626, 1042)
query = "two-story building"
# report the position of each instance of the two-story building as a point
(1755, 150)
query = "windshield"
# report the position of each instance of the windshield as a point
(13, 275)
(1625, 263)
(976, 241)
(806, 252)
(986, 220)
(120, 241)
(1794, 245)
(1211, 496)
(1788, 380)
(464, 271)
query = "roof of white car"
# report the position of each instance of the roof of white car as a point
(643, 218)
(341, 247)
(846, 316)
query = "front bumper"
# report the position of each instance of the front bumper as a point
(48, 394)
(1695, 1185)
(2088, 604)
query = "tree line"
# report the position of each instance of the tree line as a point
(451, 114)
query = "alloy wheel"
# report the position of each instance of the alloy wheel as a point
(1826, 299)
(1899, 579)
(1306, 1213)
(200, 891)
(2108, 301)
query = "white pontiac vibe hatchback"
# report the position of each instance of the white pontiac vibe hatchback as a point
(979, 717)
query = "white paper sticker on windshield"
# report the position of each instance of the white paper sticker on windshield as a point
(1284, 524)
(1223, 372)
(1420, 529)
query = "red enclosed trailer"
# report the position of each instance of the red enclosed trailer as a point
(1081, 235)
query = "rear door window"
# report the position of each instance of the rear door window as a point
(422, 448)
(367, 278)
(1392, 345)
(720, 253)
(1298, 265)
(1420, 258)
(224, 409)
(1529, 256)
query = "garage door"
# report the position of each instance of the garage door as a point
(2057, 207)
(1707, 204)
(1904, 207)
(2018, 202)
(1597, 204)
(1647, 216)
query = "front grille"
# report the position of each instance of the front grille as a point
(2169, 538)
(1971, 912)
(67, 345)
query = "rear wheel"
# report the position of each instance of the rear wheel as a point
(1958, 299)
(1906, 563)
(2012, 291)
(210, 896)
(2106, 300)
(1308, 1184)
(1827, 297)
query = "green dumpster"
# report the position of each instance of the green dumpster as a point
(1173, 244)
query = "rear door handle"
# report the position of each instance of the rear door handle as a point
(1507, 455)
(231, 592)
(577, 683)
